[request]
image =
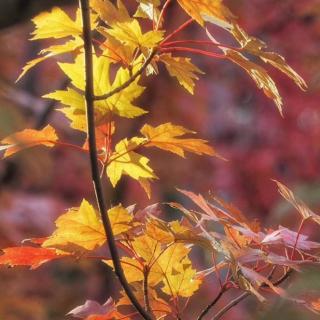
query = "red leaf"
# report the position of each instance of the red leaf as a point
(28, 256)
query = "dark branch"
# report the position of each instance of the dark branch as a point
(243, 296)
(213, 303)
(89, 98)
(145, 290)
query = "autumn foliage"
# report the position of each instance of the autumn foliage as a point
(113, 50)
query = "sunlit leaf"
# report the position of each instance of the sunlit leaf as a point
(208, 10)
(126, 161)
(168, 137)
(28, 138)
(183, 69)
(29, 256)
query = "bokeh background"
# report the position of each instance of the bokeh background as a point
(227, 109)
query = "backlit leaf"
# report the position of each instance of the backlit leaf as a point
(78, 229)
(257, 47)
(302, 208)
(167, 137)
(55, 24)
(126, 161)
(208, 10)
(28, 138)
(130, 33)
(183, 69)
(29, 256)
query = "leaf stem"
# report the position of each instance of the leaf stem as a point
(89, 98)
(183, 26)
(193, 50)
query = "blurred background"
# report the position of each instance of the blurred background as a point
(228, 110)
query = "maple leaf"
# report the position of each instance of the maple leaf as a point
(81, 228)
(149, 9)
(257, 47)
(183, 69)
(78, 229)
(120, 103)
(302, 208)
(55, 24)
(121, 220)
(259, 75)
(125, 161)
(165, 137)
(133, 270)
(208, 10)
(28, 138)
(116, 50)
(50, 52)
(130, 33)
(29, 256)
(183, 281)
(110, 13)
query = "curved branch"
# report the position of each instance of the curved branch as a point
(212, 304)
(130, 80)
(89, 98)
(243, 296)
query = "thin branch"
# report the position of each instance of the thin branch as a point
(183, 26)
(230, 305)
(213, 303)
(89, 98)
(130, 80)
(145, 289)
(243, 296)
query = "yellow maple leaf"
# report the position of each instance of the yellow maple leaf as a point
(121, 220)
(183, 282)
(132, 269)
(78, 229)
(55, 24)
(28, 138)
(165, 137)
(130, 33)
(126, 161)
(76, 111)
(82, 229)
(183, 69)
(110, 13)
(208, 10)
(50, 52)
(120, 103)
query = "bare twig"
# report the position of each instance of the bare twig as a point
(243, 296)
(213, 303)
(89, 98)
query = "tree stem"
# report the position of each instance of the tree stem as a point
(89, 98)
